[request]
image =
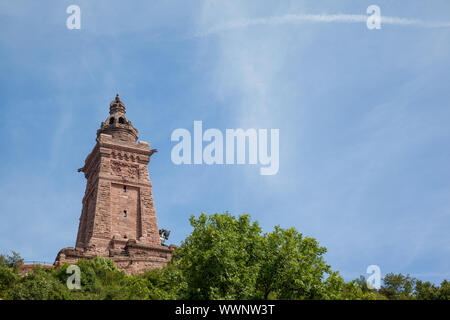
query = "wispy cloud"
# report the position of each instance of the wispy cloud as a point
(318, 18)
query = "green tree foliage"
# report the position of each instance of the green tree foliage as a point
(220, 259)
(166, 283)
(11, 260)
(398, 286)
(38, 285)
(444, 291)
(229, 258)
(426, 291)
(225, 257)
(291, 266)
(8, 272)
(101, 280)
(401, 287)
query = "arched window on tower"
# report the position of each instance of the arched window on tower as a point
(121, 120)
(111, 120)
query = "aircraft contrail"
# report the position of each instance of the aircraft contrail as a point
(324, 18)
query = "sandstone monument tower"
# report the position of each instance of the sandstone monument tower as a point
(118, 219)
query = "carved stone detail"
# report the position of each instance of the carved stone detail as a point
(125, 169)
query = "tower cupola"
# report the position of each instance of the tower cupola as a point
(117, 106)
(117, 124)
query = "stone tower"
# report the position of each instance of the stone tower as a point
(118, 219)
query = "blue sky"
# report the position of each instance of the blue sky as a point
(363, 118)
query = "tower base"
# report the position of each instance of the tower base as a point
(134, 258)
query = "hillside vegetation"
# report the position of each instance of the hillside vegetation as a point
(225, 257)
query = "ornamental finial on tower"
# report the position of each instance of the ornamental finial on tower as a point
(117, 125)
(117, 106)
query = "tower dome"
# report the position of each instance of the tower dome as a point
(117, 124)
(117, 106)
